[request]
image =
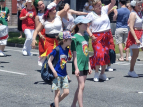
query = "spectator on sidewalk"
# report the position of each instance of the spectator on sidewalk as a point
(27, 16)
(19, 8)
(4, 17)
(135, 37)
(121, 33)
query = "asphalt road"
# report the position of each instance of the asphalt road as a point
(22, 86)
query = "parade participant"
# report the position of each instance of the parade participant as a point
(135, 37)
(42, 40)
(4, 17)
(88, 7)
(101, 35)
(27, 16)
(81, 65)
(128, 5)
(35, 4)
(41, 8)
(68, 20)
(52, 24)
(60, 72)
(19, 8)
(121, 33)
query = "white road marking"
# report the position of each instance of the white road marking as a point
(21, 51)
(120, 62)
(126, 63)
(140, 92)
(12, 72)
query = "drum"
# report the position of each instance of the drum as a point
(3, 32)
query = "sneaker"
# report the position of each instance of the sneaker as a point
(2, 54)
(109, 68)
(96, 77)
(24, 53)
(52, 105)
(103, 77)
(133, 74)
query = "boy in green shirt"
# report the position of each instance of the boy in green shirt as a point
(4, 17)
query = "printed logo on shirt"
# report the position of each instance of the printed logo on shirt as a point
(30, 14)
(63, 61)
(2, 14)
(85, 48)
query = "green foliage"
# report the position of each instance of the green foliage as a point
(13, 38)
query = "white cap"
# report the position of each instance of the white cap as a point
(28, 0)
(51, 5)
(133, 3)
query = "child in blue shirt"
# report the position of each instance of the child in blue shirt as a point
(59, 71)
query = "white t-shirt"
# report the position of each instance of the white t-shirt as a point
(68, 24)
(99, 23)
(90, 7)
(52, 28)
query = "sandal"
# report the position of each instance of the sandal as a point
(120, 60)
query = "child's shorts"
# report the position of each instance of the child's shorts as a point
(60, 82)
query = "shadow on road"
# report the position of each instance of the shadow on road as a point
(140, 75)
(42, 82)
(4, 62)
(100, 80)
(38, 71)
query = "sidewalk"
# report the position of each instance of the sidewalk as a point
(12, 29)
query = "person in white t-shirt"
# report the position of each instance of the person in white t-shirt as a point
(100, 32)
(88, 7)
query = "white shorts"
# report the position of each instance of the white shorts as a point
(135, 46)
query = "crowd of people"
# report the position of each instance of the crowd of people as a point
(71, 35)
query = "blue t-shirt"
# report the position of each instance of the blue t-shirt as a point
(63, 57)
(122, 18)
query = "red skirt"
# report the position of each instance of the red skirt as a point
(131, 40)
(41, 43)
(46, 47)
(101, 49)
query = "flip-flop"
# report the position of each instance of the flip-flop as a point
(120, 60)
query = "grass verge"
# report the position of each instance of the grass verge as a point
(13, 38)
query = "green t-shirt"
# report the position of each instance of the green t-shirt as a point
(80, 45)
(3, 15)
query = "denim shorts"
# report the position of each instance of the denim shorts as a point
(60, 82)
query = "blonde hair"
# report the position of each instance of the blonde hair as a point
(94, 2)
